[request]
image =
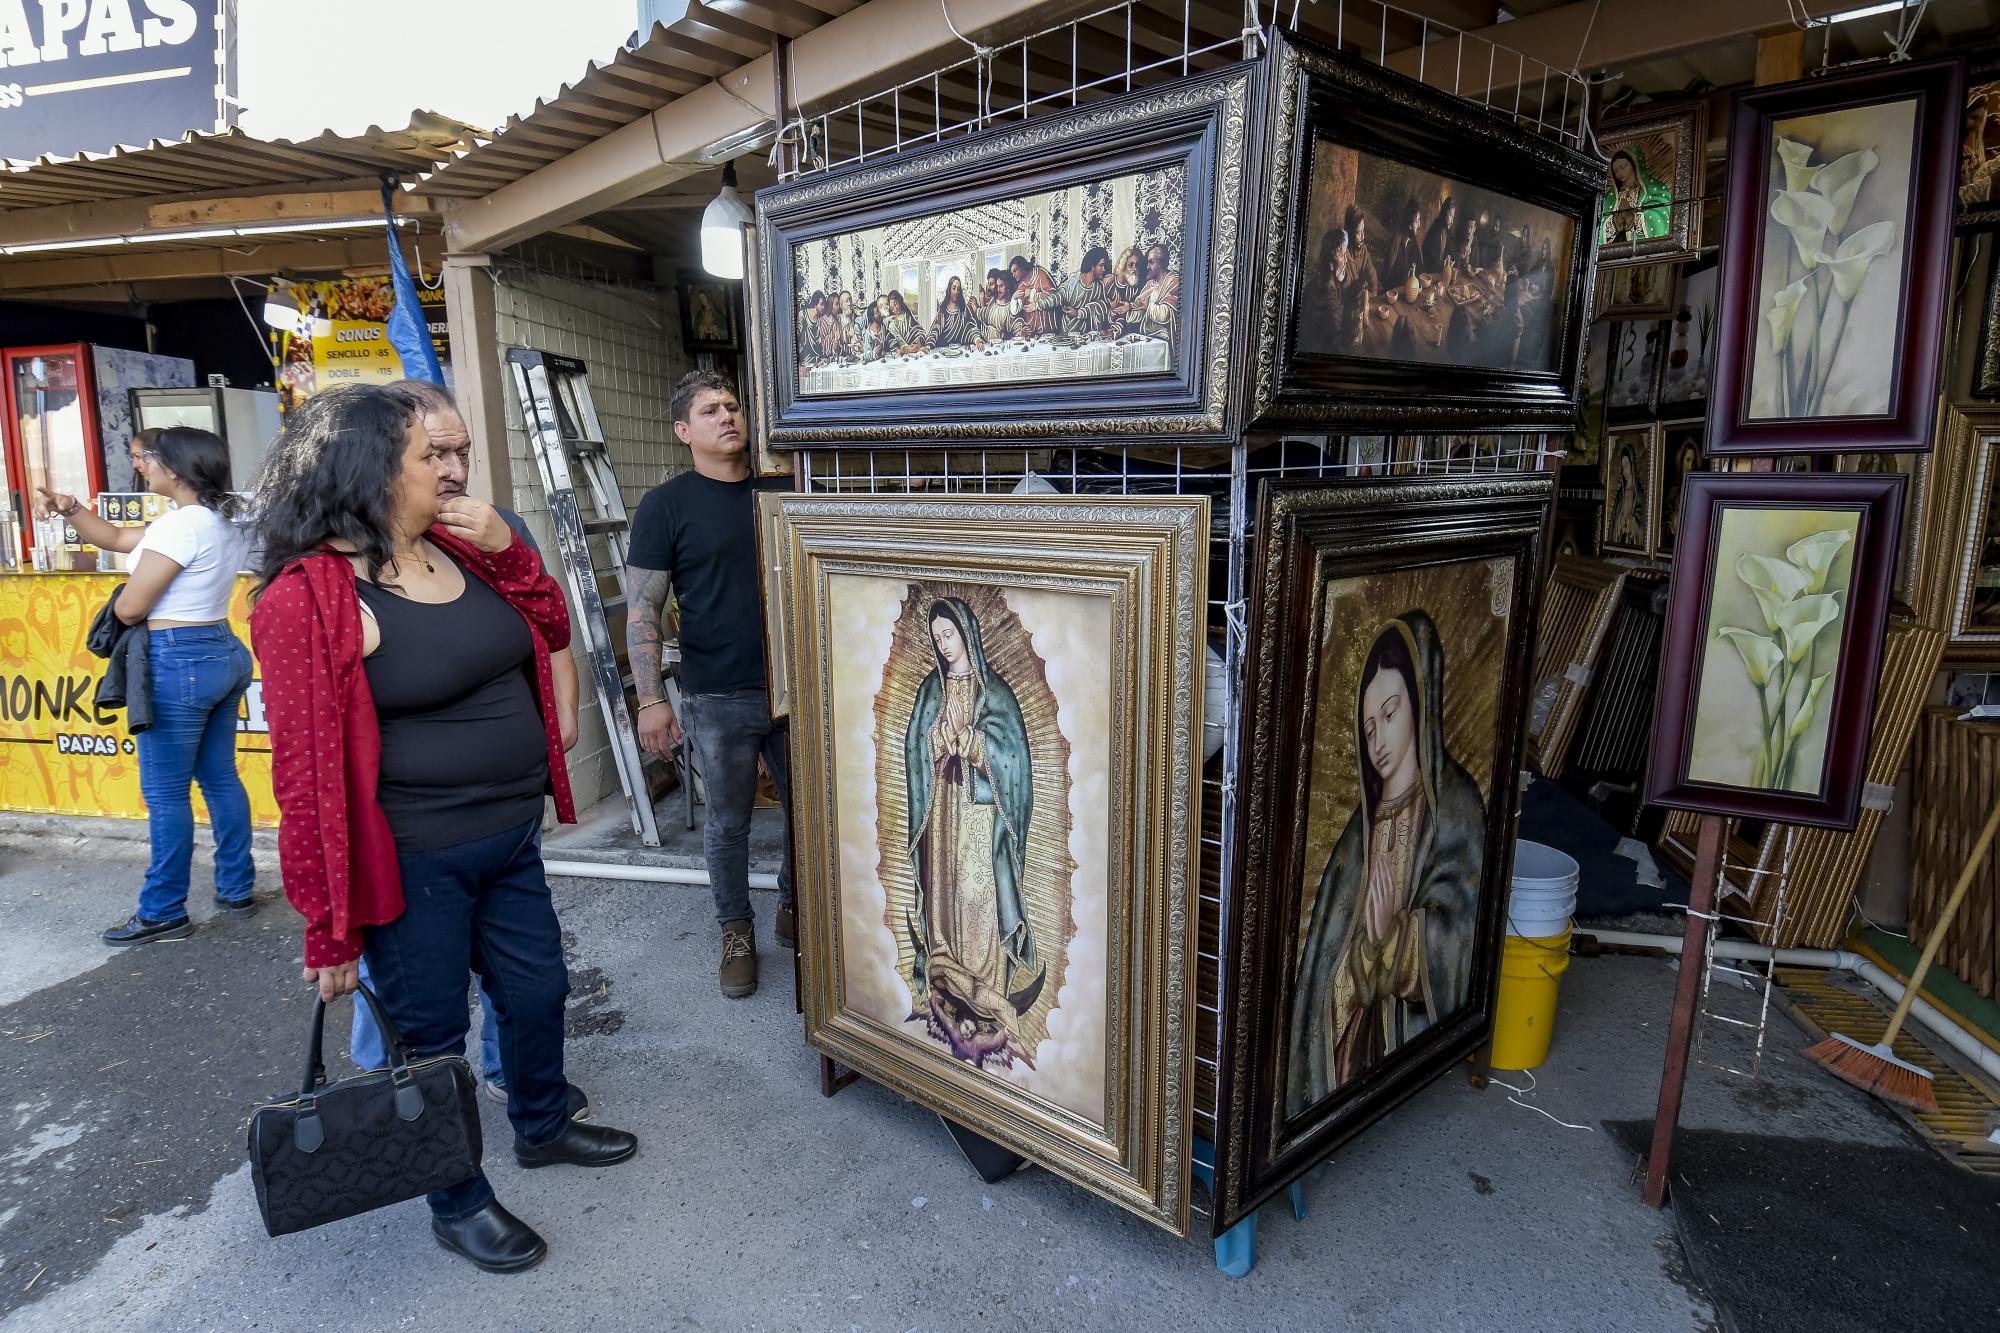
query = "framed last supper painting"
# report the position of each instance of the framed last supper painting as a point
(1386, 680)
(995, 777)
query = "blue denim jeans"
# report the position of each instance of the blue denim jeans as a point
(199, 676)
(481, 906)
(729, 732)
(364, 1039)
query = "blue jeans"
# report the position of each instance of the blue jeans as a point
(199, 676)
(729, 732)
(364, 1039)
(481, 906)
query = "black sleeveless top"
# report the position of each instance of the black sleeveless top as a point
(464, 753)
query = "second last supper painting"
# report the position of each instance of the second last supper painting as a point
(1073, 275)
(1426, 261)
(996, 757)
(1835, 254)
(1389, 641)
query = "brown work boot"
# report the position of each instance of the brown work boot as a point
(785, 925)
(739, 959)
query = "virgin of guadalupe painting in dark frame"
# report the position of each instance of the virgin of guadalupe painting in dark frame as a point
(1390, 636)
(1388, 950)
(1422, 262)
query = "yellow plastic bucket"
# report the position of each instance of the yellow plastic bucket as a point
(1524, 1017)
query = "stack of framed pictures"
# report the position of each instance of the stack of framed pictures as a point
(995, 702)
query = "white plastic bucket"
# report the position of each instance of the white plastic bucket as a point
(1543, 895)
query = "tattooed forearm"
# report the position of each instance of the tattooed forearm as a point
(646, 594)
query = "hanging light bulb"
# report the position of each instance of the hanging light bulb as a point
(722, 229)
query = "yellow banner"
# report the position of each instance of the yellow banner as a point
(349, 338)
(58, 754)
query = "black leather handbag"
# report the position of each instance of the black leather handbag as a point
(365, 1142)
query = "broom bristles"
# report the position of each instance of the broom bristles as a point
(1874, 1069)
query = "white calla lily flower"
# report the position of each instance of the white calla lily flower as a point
(1797, 156)
(1815, 555)
(1784, 309)
(1840, 180)
(1806, 216)
(1849, 264)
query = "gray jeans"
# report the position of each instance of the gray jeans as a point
(728, 732)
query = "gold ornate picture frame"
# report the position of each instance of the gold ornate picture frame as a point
(1968, 484)
(996, 725)
(1577, 610)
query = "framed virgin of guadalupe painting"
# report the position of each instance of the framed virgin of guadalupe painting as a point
(1390, 634)
(1424, 263)
(996, 776)
(1780, 593)
(1072, 275)
(1652, 183)
(1836, 254)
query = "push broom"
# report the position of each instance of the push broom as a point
(1875, 1068)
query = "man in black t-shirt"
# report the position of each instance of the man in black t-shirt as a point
(695, 537)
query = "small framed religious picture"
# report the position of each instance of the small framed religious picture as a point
(1637, 291)
(1653, 184)
(1836, 251)
(1774, 634)
(708, 312)
(1631, 462)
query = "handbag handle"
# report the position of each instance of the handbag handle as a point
(308, 1134)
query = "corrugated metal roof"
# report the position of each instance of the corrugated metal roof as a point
(232, 160)
(672, 59)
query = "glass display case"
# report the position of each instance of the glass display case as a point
(52, 441)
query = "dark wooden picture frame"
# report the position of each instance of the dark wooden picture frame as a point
(1200, 128)
(1695, 342)
(1309, 535)
(1644, 341)
(1316, 94)
(1922, 244)
(1877, 501)
(723, 301)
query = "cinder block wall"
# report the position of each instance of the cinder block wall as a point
(628, 333)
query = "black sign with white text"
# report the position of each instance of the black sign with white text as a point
(82, 76)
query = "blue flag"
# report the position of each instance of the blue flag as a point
(409, 331)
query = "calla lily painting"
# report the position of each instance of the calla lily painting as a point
(1782, 579)
(1830, 293)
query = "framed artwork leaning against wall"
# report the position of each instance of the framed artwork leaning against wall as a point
(1387, 701)
(1836, 254)
(1423, 263)
(1774, 632)
(1072, 276)
(997, 754)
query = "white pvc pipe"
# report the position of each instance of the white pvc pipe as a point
(645, 874)
(1922, 1010)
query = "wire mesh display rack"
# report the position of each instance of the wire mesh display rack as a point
(1138, 44)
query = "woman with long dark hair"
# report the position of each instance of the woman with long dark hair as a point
(184, 570)
(405, 642)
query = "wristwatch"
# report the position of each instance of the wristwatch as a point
(74, 505)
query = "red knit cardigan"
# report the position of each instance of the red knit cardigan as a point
(334, 846)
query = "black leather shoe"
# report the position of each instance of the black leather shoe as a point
(247, 903)
(579, 1145)
(141, 931)
(492, 1238)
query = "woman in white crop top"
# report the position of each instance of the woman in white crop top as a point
(183, 574)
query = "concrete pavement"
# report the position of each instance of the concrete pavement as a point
(755, 1203)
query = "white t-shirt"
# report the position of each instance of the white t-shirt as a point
(210, 551)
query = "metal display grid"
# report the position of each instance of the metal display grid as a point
(1046, 72)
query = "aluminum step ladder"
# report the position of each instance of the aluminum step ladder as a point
(593, 534)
